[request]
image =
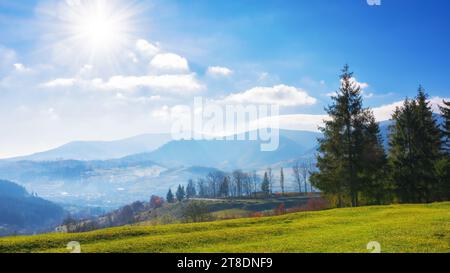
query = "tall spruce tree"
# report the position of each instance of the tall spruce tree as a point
(415, 144)
(351, 143)
(430, 144)
(181, 194)
(445, 111)
(443, 165)
(169, 196)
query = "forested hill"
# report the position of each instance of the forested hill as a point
(23, 213)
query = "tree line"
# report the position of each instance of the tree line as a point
(353, 166)
(240, 184)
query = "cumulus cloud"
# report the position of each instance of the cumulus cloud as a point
(216, 71)
(282, 95)
(169, 62)
(362, 85)
(146, 48)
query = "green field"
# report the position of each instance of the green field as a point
(398, 228)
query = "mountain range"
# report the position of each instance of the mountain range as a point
(110, 174)
(62, 175)
(100, 150)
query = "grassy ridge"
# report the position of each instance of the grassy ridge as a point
(398, 228)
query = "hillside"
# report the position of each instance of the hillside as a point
(23, 213)
(398, 228)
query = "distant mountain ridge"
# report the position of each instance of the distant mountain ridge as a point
(100, 150)
(230, 154)
(109, 183)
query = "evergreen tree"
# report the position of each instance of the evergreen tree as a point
(430, 147)
(169, 196)
(265, 185)
(443, 165)
(180, 193)
(445, 111)
(347, 148)
(415, 145)
(403, 152)
(190, 189)
(443, 175)
(282, 181)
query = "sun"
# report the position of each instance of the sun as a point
(100, 25)
(95, 32)
(99, 31)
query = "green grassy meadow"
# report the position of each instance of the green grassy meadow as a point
(398, 228)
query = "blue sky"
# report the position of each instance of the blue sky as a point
(301, 45)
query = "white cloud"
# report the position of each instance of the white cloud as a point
(282, 95)
(301, 122)
(60, 82)
(385, 112)
(219, 71)
(146, 48)
(21, 67)
(362, 85)
(169, 62)
(181, 84)
(171, 83)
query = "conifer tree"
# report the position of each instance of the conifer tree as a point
(445, 111)
(180, 193)
(169, 196)
(350, 142)
(430, 144)
(415, 145)
(443, 165)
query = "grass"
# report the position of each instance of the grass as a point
(398, 228)
(231, 214)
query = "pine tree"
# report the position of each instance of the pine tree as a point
(169, 196)
(414, 151)
(445, 111)
(349, 141)
(443, 165)
(282, 181)
(180, 193)
(265, 185)
(430, 144)
(375, 185)
(190, 189)
(402, 152)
